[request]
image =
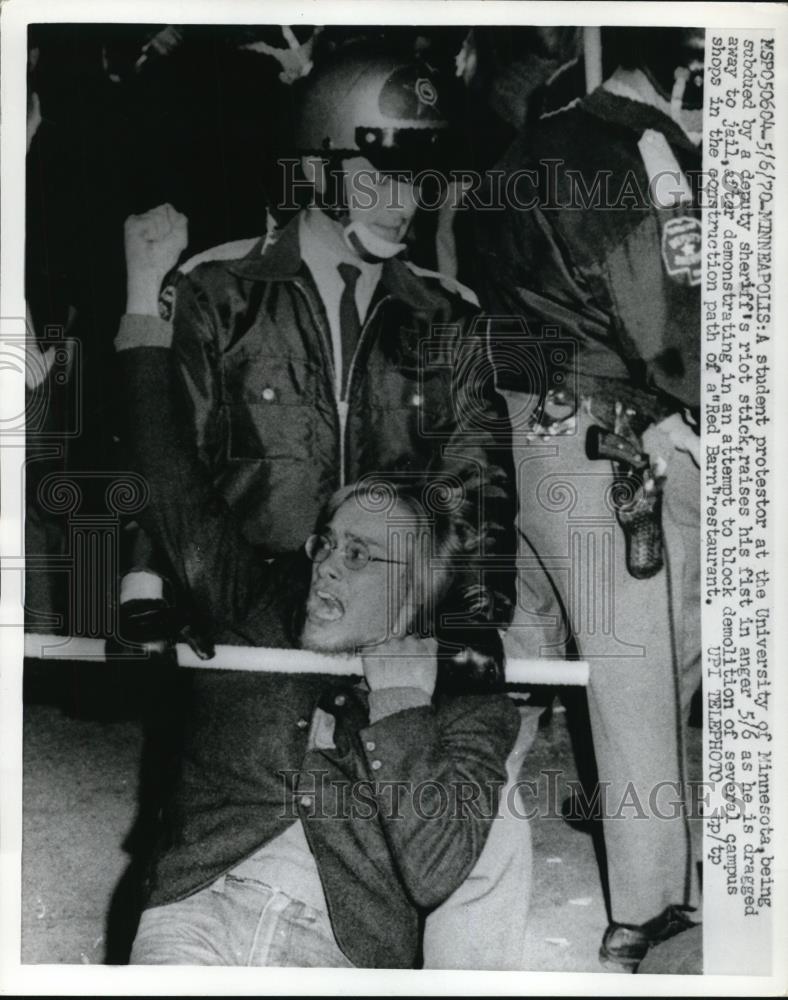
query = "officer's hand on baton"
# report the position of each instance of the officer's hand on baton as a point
(153, 241)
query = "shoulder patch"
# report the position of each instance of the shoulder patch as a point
(450, 284)
(224, 251)
(167, 300)
(681, 249)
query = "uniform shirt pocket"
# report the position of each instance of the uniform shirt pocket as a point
(270, 404)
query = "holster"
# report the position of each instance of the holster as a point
(636, 494)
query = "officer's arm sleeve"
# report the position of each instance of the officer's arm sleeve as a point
(477, 455)
(205, 549)
(439, 775)
(195, 356)
(532, 290)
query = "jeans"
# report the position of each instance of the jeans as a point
(243, 921)
(237, 921)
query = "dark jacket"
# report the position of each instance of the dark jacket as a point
(253, 346)
(247, 771)
(607, 282)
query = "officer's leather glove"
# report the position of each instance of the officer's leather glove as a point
(155, 625)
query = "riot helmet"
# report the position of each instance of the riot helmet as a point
(378, 106)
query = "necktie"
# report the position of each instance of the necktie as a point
(349, 322)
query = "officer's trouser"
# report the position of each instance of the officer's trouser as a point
(642, 639)
(482, 924)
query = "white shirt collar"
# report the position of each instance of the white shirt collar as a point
(323, 245)
(322, 250)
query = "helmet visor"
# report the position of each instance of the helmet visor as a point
(411, 150)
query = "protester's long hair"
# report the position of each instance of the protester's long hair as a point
(459, 589)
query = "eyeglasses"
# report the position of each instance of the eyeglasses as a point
(355, 552)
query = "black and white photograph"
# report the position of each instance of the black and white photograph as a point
(390, 495)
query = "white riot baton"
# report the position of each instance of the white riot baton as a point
(258, 659)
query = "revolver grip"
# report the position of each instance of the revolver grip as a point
(604, 444)
(638, 510)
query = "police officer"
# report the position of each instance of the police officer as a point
(318, 355)
(595, 262)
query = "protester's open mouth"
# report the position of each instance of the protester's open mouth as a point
(324, 606)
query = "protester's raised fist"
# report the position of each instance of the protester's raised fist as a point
(154, 241)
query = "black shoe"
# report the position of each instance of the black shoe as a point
(626, 944)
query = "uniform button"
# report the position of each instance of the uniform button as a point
(302, 723)
(416, 399)
(370, 744)
(269, 394)
(340, 700)
(306, 800)
(376, 765)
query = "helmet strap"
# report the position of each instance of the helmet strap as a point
(366, 245)
(331, 199)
